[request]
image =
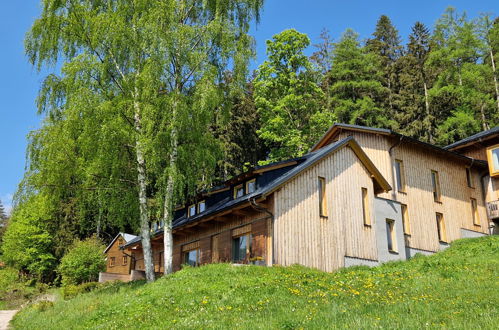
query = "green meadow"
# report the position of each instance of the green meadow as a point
(457, 288)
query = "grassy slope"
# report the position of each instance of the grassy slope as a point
(457, 288)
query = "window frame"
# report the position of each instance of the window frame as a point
(492, 171)
(366, 210)
(112, 261)
(236, 188)
(474, 211)
(391, 237)
(249, 238)
(199, 206)
(247, 186)
(469, 178)
(441, 230)
(435, 182)
(124, 260)
(400, 175)
(405, 219)
(322, 196)
(189, 215)
(185, 255)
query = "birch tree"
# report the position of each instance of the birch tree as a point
(157, 67)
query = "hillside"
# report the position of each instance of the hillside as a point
(457, 288)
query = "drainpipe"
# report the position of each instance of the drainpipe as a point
(260, 208)
(392, 164)
(484, 196)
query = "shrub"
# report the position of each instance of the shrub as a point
(83, 262)
(71, 291)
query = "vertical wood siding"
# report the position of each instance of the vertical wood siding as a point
(302, 236)
(418, 162)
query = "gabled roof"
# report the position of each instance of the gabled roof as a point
(474, 138)
(126, 237)
(402, 138)
(302, 164)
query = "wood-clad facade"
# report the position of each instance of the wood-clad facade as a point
(303, 236)
(363, 196)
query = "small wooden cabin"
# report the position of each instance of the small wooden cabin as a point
(362, 196)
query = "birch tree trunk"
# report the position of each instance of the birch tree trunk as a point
(170, 185)
(145, 232)
(494, 75)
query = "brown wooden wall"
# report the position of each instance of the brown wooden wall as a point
(215, 239)
(118, 268)
(303, 237)
(418, 162)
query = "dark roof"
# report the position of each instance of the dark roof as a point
(402, 137)
(304, 162)
(476, 137)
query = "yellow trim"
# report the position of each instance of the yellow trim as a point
(441, 227)
(247, 184)
(436, 188)
(402, 175)
(236, 188)
(201, 202)
(405, 219)
(365, 207)
(489, 160)
(474, 212)
(322, 197)
(189, 210)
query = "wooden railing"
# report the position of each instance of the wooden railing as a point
(493, 209)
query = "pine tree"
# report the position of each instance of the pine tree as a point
(357, 94)
(414, 116)
(3, 214)
(386, 44)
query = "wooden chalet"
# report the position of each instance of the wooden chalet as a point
(362, 196)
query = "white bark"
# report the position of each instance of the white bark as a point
(170, 185)
(495, 76)
(142, 180)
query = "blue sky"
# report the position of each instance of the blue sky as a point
(19, 83)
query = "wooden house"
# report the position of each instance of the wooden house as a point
(361, 196)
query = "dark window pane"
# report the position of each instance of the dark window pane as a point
(251, 187)
(191, 258)
(389, 235)
(239, 248)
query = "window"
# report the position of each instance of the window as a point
(469, 178)
(250, 186)
(238, 191)
(322, 197)
(201, 206)
(400, 175)
(435, 181)
(191, 258)
(112, 261)
(474, 212)
(365, 207)
(241, 247)
(441, 228)
(120, 242)
(192, 210)
(390, 235)
(405, 220)
(493, 160)
(124, 260)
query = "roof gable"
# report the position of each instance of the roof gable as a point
(126, 237)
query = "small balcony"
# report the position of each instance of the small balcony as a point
(493, 210)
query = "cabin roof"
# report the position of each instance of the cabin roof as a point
(302, 163)
(474, 138)
(402, 138)
(127, 237)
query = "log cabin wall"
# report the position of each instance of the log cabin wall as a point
(118, 264)
(303, 236)
(418, 163)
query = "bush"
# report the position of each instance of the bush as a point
(71, 291)
(83, 262)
